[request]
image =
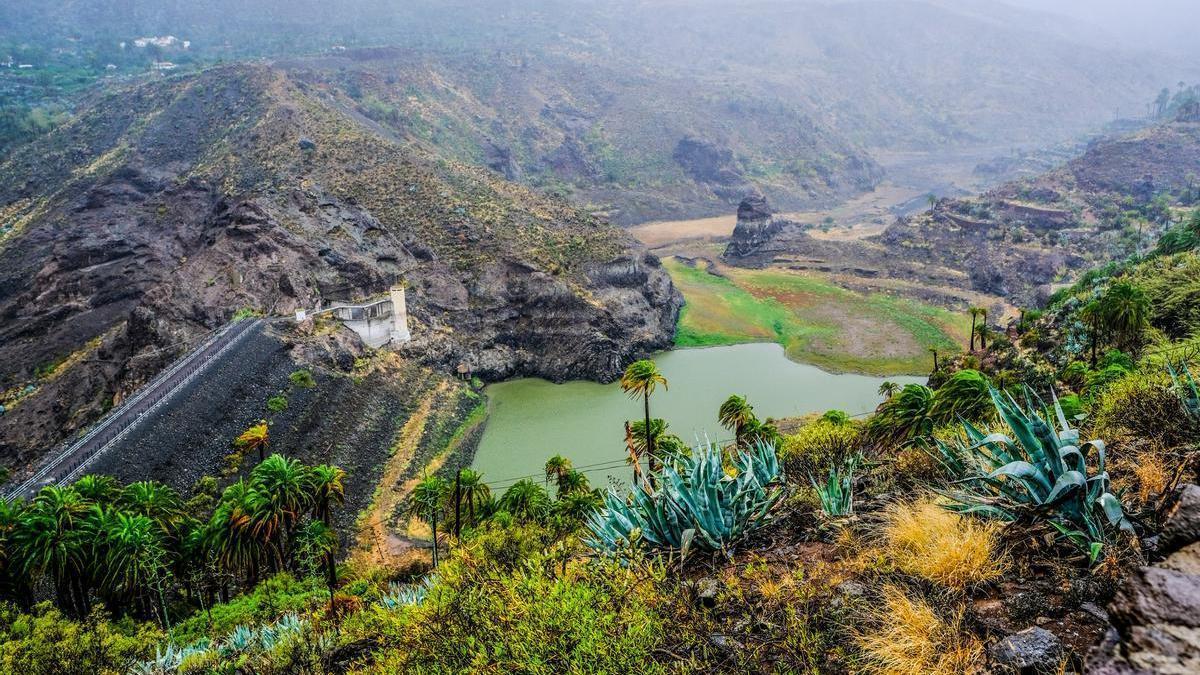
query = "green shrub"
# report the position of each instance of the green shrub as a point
(697, 503)
(1098, 380)
(302, 379)
(44, 641)
(277, 403)
(265, 603)
(1116, 357)
(963, 397)
(1042, 473)
(528, 619)
(819, 444)
(1075, 375)
(1142, 406)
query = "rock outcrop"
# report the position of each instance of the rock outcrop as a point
(1156, 612)
(756, 227)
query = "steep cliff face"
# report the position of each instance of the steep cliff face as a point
(165, 208)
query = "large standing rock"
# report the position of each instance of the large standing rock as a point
(1156, 613)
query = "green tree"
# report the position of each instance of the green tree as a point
(279, 496)
(734, 414)
(975, 313)
(136, 562)
(556, 467)
(640, 379)
(1126, 311)
(427, 503)
(49, 539)
(888, 389)
(475, 493)
(526, 500)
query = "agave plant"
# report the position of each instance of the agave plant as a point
(402, 595)
(696, 504)
(1186, 389)
(837, 492)
(1041, 473)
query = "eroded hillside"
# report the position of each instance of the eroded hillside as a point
(165, 208)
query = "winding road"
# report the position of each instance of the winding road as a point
(71, 463)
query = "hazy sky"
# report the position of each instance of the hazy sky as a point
(1172, 25)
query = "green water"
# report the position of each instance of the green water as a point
(533, 419)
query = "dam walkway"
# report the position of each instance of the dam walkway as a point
(73, 460)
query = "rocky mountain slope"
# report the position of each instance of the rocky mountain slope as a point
(648, 110)
(609, 134)
(165, 208)
(1021, 239)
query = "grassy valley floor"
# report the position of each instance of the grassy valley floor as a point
(815, 320)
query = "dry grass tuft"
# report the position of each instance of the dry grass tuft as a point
(927, 541)
(910, 638)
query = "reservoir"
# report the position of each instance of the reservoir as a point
(531, 419)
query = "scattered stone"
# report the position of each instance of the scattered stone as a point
(307, 144)
(1042, 620)
(724, 642)
(706, 592)
(1095, 611)
(1032, 650)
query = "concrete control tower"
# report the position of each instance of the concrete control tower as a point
(399, 316)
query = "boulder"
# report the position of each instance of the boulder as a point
(1033, 650)
(1156, 612)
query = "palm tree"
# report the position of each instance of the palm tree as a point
(98, 489)
(734, 414)
(556, 467)
(279, 496)
(573, 482)
(228, 534)
(13, 583)
(525, 500)
(985, 334)
(427, 502)
(136, 560)
(255, 438)
(888, 389)
(49, 541)
(326, 484)
(975, 313)
(641, 378)
(1093, 314)
(1126, 311)
(154, 500)
(473, 492)
(982, 331)
(327, 488)
(664, 443)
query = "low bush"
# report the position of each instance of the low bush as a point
(1143, 405)
(44, 641)
(818, 445)
(925, 540)
(907, 636)
(302, 379)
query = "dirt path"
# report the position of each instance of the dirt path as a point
(376, 543)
